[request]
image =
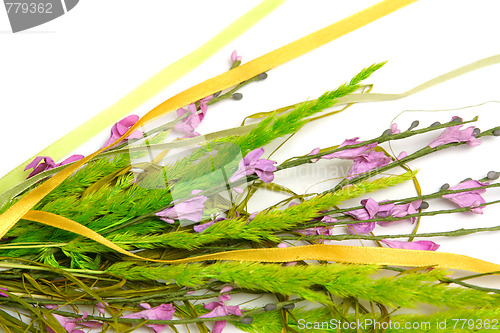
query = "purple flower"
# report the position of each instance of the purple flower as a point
(101, 307)
(2, 293)
(252, 216)
(316, 231)
(69, 324)
(190, 209)
(406, 209)
(194, 119)
(454, 134)
(418, 245)
(402, 155)
(372, 208)
(364, 158)
(400, 211)
(161, 312)
(350, 153)
(361, 228)
(251, 164)
(328, 219)
(314, 152)
(220, 309)
(320, 231)
(204, 104)
(48, 163)
(121, 127)
(385, 210)
(205, 226)
(394, 128)
(471, 198)
(188, 124)
(235, 57)
(368, 161)
(368, 212)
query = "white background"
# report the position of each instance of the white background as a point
(58, 75)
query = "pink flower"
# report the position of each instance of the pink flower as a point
(314, 152)
(316, 231)
(328, 219)
(121, 127)
(48, 163)
(394, 128)
(368, 212)
(385, 210)
(2, 293)
(194, 119)
(252, 216)
(350, 153)
(368, 161)
(235, 57)
(418, 245)
(161, 312)
(101, 307)
(188, 124)
(400, 211)
(454, 134)
(364, 158)
(402, 155)
(205, 226)
(220, 309)
(406, 209)
(190, 209)
(69, 324)
(204, 104)
(251, 164)
(471, 198)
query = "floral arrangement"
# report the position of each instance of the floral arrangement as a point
(168, 193)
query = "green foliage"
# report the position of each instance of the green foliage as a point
(263, 227)
(323, 320)
(312, 281)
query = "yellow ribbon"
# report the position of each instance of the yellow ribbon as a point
(144, 92)
(337, 253)
(359, 255)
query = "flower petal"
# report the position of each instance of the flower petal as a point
(417, 245)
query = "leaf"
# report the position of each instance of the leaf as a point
(104, 181)
(15, 324)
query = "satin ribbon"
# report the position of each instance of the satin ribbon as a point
(144, 92)
(359, 255)
(337, 253)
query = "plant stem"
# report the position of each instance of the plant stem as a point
(279, 306)
(383, 138)
(453, 233)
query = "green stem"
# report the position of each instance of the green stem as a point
(453, 233)
(435, 195)
(419, 153)
(232, 318)
(383, 138)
